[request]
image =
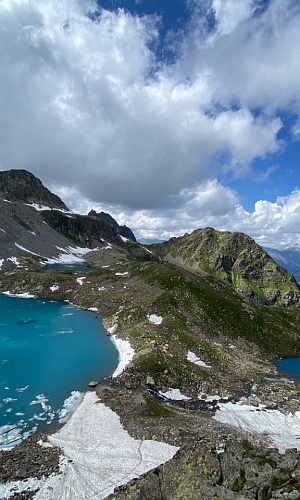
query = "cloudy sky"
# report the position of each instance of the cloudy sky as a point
(169, 114)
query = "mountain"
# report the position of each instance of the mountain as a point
(21, 185)
(288, 258)
(121, 230)
(235, 259)
(202, 314)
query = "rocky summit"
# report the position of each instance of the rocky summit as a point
(205, 314)
(23, 186)
(237, 260)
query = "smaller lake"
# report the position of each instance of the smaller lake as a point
(76, 266)
(47, 350)
(289, 367)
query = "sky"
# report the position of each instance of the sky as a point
(171, 115)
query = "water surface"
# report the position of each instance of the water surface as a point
(289, 367)
(47, 350)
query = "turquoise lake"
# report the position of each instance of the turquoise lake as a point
(289, 367)
(47, 350)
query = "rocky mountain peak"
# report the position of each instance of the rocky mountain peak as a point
(236, 259)
(23, 186)
(124, 231)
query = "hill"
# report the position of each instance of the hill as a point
(235, 259)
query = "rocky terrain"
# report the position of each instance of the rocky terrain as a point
(124, 231)
(216, 295)
(235, 259)
(21, 185)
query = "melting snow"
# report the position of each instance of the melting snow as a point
(156, 320)
(174, 394)
(122, 274)
(283, 430)
(191, 356)
(80, 280)
(93, 309)
(25, 250)
(25, 295)
(53, 288)
(14, 260)
(126, 352)
(100, 456)
(70, 255)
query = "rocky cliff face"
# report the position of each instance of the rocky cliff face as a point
(20, 185)
(121, 230)
(236, 259)
(82, 229)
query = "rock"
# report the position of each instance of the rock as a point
(150, 381)
(93, 383)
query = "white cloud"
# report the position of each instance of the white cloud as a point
(89, 106)
(86, 106)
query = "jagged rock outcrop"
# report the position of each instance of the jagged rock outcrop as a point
(121, 230)
(236, 259)
(21, 185)
(82, 229)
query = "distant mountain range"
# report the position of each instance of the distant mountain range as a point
(288, 258)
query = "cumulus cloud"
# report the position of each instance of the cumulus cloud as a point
(274, 225)
(86, 103)
(87, 106)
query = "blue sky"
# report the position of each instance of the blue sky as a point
(170, 115)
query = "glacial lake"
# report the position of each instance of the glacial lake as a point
(47, 350)
(289, 367)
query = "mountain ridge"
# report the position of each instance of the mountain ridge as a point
(23, 186)
(236, 259)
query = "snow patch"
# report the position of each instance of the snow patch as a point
(123, 238)
(97, 462)
(25, 295)
(1, 262)
(156, 320)
(174, 394)
(283, 430)
(191, 356)
(80, 280)
(14, 260)
(26, 250)
(53, 288)
(126, 352)
(70, 255)
(122, 274)
(93, 309)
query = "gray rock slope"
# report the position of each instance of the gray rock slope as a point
(23, 226)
